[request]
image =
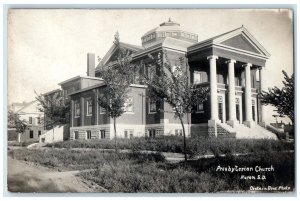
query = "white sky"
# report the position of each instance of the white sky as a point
(50, 46)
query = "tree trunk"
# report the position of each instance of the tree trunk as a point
(19, 137)
(184, 141)
(115, 130)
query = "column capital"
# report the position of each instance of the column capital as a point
(230, 61)
(212, 57)
(247, 64)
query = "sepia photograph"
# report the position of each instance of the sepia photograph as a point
(150, 101)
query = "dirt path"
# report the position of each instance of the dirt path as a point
(27, 177)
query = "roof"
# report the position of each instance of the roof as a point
(78, 77)
(217, 40)
(27, 105)
(168, 26)
(114, 47)
(50, 92)
(87, 88)
(103, 84)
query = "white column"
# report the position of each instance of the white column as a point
(212, 123)
(213, 87)
(262, 88)
(231, 94)
(248, 105)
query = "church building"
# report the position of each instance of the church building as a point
(231, 65)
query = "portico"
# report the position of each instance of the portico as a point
(234, 64)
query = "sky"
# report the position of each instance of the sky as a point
(46, 47)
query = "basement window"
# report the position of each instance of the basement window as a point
(88, 134)
(128, 133)
(178, 132)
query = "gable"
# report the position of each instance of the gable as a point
(31, 107)
(240, 42)
(115, 51)
(117, 54)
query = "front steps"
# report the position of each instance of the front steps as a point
(255, 132)
(240, 131)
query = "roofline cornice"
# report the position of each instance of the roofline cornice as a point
(228, 48)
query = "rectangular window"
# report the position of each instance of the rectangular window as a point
(76, 135)
(102, 134)
(102, 110)
(199, 77)
(220, 106)
(253, 81)
(237, 109)
(253, 109)
(128, 106)
(77, 109)
(39, 120)
(88, 135)
(30, 134)
(200, 107)
(39, 133)
(178, 132)
(89, 109)
(152, 133)
(30, 120)
(152, 106)
(253, 112)
(128, 133)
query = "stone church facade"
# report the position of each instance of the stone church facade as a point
(231, 65)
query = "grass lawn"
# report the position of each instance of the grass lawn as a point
(149, 172)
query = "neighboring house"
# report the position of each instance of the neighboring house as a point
(29, 112)
(230, 64)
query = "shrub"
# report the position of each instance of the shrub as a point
(195, 146)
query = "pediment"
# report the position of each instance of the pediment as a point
(118, 50)
(241, 42)
(118, 53)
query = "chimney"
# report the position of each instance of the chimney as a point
(91, 64)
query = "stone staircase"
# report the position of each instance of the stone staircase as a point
(225, 131)
(255, 132)
(240, 131)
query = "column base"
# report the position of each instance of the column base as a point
(249, 123)
(232, 123)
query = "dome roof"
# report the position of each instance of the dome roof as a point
(168, 29)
